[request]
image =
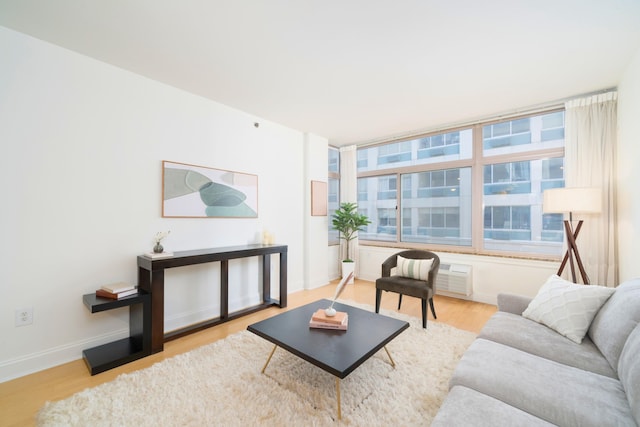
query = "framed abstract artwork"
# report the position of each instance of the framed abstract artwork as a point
(190, 191)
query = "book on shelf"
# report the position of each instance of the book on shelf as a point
(116, 288)
(335, 326)
(118, 295)
(320, 316)
(154, 255)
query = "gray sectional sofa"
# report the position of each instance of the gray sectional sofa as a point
(521, 373)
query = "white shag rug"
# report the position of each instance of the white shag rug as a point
(220, 384)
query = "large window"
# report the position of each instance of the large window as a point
(445, 188)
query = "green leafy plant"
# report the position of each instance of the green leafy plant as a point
(348, 222)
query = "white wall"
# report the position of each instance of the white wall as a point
(628, 156)
(80, 180)
(491, 275)
(315, 229)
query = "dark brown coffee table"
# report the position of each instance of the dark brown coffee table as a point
(337, 352)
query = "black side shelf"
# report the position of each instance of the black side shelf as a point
(138, 345)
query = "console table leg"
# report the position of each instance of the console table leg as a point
(152, 282)
(224, 289)
(266, 278)
(283, 279)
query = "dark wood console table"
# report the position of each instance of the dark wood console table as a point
(151, 280)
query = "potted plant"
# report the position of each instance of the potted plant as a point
(348, 222)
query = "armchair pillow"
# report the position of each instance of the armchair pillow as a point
(566, 307)
(413, 268)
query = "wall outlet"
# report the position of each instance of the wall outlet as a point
(24, 316)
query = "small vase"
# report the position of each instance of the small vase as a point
(158, 248)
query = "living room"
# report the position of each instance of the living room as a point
(84, 143)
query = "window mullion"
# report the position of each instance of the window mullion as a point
(477, 196)
(398, 206)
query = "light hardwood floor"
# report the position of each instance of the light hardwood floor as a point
(20, 399)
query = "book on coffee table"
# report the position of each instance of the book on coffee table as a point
(325, 325)
(321, 317)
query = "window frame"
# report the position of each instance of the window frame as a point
(477, 162)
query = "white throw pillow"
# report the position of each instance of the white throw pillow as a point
(414, 268)
(566, 307)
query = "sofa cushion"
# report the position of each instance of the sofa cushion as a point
(512, 303)
(413, 268)
(466, 407)
(566, 307)
(559, 394)
(615, 321)
(629, 371)
(532, 337)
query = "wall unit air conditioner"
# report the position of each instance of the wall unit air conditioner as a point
(454, 279)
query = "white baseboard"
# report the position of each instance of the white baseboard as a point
(55, 356)
(35, 362)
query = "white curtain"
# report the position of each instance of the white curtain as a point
(349, 193)
(590, 145)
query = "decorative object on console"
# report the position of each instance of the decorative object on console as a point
(268, 238)
(160, 235)
(573, 200)
(330, 312)
(191, 191)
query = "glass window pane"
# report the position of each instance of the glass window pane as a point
(334, 160)
(553, 120)
(437, 148)
(520, 126)
(552, 228)
(377, 200)
(437, 179)
(524, 134)
(333, 201)
(513, 217)
(507, 178)
(437, 210)
(552, 173)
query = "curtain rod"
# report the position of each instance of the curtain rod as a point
(504, 115)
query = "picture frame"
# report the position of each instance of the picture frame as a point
(192, 191)
(318, 198)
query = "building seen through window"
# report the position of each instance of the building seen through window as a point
(442, 190)
(333, 192)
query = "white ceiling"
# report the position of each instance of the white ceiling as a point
(352, 71)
